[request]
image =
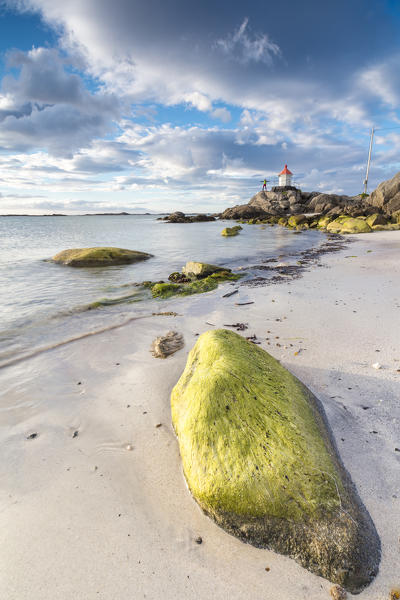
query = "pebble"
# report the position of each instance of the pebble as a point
(199, 540)
(75, 434)
(32, 436)
(377, 366)
(338, 593)
(128, 447)
(158, 424)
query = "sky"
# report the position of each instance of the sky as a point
(125, 105)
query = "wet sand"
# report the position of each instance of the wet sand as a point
(95, 505)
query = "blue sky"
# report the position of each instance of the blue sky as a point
(125, 105)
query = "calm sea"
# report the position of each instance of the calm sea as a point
(42, 303)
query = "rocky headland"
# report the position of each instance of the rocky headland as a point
(294, 208)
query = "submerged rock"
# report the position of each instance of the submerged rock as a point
(259, 459)
(99, 257)
(231, 231)
(195, 286)
(168, 344)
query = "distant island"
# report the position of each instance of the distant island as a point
(84, 215)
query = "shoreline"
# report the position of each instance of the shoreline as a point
(107, 514)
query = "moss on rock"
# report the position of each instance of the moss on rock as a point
(99, 257)
(296, 220)
(324, 221)
(388, 227)
(348, 225)
(196, 286)
(376, 219)
(258, 458)
(231, 231)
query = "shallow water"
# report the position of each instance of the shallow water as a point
(42, 303)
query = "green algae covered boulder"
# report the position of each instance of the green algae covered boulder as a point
(349, 225)
(99, 257)
(199, 269)
(194, 286)
(376, 219)
(296, 220)
(324, 221)
(259, 459)
(231, 231)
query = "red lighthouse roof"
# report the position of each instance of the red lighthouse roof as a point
(286, 171)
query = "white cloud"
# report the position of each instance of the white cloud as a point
(244, 48)
(222, 114)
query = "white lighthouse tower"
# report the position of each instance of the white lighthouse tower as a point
(285, 177)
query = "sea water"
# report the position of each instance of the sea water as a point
(43, 303)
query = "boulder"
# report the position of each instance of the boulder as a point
(99, 257)
(386, 197)
(180, 217)
(168, 344)
(376, 219)
(296, 208)
(388, 227)
(260, 460)
(243, 211)
(348, 225)
(324, 221)
(231, 231)
(296, 220)
(200, 270)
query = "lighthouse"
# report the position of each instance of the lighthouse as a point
(285, 177)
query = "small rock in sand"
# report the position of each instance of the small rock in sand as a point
(377, 366)
(128, 447)
(166, 345)
(338, 593)
(199, 540)
(32, 436)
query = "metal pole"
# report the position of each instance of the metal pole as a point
(369, 160)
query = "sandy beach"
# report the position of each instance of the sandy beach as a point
(95, 506)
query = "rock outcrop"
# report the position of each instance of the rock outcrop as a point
(259, 459)
(180, 217)
(385, 200)
(243, 211)
(386, 197)
(99, 257)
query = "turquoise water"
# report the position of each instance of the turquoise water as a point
(43, 303)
